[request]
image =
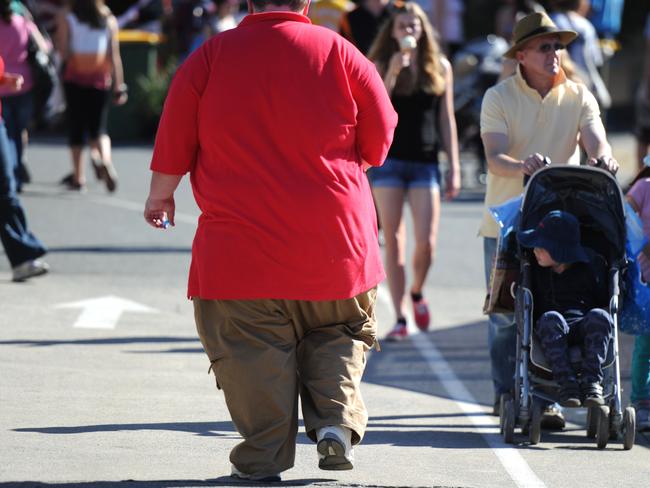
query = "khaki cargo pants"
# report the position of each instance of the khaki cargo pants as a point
(265, 353)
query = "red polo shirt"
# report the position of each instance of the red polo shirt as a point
(272, 120)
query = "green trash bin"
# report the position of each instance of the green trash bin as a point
(139, 51)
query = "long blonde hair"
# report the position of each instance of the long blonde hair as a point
(430, 75)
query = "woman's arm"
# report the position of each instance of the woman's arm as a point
(119, 87)
(62, 36)
(449, 133)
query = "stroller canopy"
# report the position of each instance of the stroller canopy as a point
(591, 194)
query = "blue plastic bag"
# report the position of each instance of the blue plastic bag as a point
(635, 308)
(507, 216)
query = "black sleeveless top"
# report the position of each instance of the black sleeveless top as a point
(416, 135)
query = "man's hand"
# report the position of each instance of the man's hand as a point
(13, 81)
(605, 162)
(160, 213)
(533, 163)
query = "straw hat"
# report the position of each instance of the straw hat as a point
(535, 25)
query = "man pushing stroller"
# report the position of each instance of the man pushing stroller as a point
(570, 286)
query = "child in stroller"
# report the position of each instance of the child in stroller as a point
(571, 290)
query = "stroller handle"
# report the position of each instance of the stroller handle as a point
(547, 162)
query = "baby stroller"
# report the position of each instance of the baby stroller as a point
(595, 198)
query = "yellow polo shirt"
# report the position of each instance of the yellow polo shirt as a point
(549, 126)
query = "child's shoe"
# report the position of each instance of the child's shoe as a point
(570, 394)
(592, 395)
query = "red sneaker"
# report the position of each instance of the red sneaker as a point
(398, 333)
(421, 314)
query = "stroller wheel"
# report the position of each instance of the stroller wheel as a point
(629, 428)
(509, 421)
(535, 430)
(602, 436)
(592, 422)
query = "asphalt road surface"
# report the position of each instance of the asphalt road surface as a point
(104, 383)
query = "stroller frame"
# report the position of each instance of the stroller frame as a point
(524, 407)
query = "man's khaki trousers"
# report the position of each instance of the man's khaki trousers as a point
(264, 353)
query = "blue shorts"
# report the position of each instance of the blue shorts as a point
(397, 173)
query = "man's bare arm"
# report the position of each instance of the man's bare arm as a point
(160, 204)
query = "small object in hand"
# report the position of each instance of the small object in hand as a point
(164, 223)
(408, 43)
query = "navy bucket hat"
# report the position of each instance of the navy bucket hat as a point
(559, 234)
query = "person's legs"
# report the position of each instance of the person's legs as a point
(553, 331)
(424, 199)
(331, 359)
(594, 333)
(252, 349)
(76, 103)
(20, 245)
(641, 370)
(640, 396)
(18, 110)
(388, 190)
(100, 142)
(502, 334)
(596, 330)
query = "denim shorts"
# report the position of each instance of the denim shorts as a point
(397, 173)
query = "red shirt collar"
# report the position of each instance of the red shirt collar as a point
(274, 16)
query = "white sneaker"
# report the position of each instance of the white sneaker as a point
(235, 473)
(334, 448)
(29, 269)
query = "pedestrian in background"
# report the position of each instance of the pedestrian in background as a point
(643, 105)
(419, 80)
(585, 51)
(23, 249)
(360, 25)
(536, 113)
(285, 261)
(639, 198)
(15, 33)
(86, 40)
(447, 19)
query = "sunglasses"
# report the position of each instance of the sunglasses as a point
(548, 47)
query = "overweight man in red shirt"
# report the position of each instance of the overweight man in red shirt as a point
(276, 122)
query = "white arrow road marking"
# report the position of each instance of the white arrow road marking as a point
(103, 312)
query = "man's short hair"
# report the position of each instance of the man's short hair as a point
(294, 5)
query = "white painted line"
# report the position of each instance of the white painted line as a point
(139, 207)
(510, 458)
(103, 312)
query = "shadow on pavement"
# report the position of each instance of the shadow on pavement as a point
(210, 429)
(221, 481)
(121, 250)
(400, 364)
(108, 341)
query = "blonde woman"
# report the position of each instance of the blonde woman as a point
(419, 81)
